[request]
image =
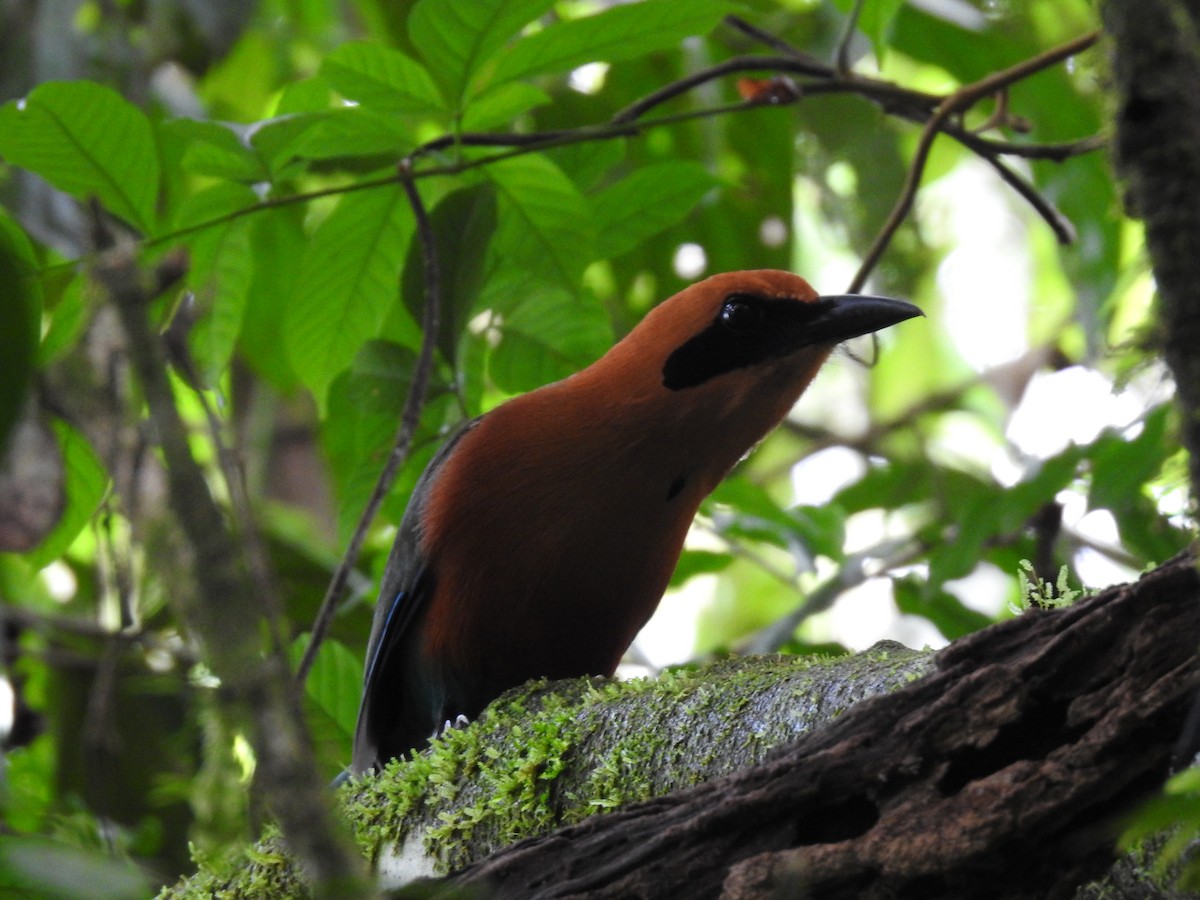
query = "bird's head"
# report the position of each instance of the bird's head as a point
(735, 351)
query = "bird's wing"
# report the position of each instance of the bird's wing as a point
(391, 711)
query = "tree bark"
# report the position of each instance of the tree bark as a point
(1156, 68)
(1003, 774)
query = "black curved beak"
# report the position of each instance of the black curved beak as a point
(845, 316)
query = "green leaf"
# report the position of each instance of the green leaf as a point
(222, 267)
(546, 229)
(457, 37)
(973, 506)
(331, 694)
(698, 562)
(888, 486)
(618, 33)
(276, 140)
(277, 242)
(646, 202)
(365, 405)
(382, 79)
(1120, 467)
(819, 530)
(1020, 502)
(68, 318)
(215, 149)
(364, 409)
(349, 277)
(34, 866)
(354, 132)
(548, 336)
(462, 225)
(500, 105)
(85, 485)
(588, 162)
(86, 140)
(304, 96)
(20, 322)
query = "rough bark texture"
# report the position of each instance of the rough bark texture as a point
(1156, 64)
(1000, 775)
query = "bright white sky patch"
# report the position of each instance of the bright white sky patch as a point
(985, 279)
(589, 78)
(866, 614)
(816, 478)
(1070, 406)
(8, 701)
(59, 581)
(773, 231)
(690, 261)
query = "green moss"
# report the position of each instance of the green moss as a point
(265, 870)
(550, 754)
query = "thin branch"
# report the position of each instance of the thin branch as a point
(1059, 224)
(55, 625)
(788, 64)
(264, 205)
(257, 560)
(842, 57)
(956, 103)
(1056, 152)
(409, 421)
(776, 43)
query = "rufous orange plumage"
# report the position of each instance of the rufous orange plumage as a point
(542, 536)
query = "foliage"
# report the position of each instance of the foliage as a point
(295, 335)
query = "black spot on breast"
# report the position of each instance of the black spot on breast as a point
(676, 486)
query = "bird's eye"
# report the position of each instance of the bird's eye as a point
(738, 314)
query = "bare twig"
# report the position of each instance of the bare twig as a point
(955, 104)
(257, 559)
(409, 421)
(1055, 152)
(776, 43)
(790, 64)
(842, 57)
(1059, 224)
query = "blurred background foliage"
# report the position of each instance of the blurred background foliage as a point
(1024, 419)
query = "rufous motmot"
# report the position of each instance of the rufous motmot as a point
(541, 537)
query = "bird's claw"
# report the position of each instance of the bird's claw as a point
(459, 721)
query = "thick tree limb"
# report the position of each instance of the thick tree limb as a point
(1001, 775)
(1156, 64)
